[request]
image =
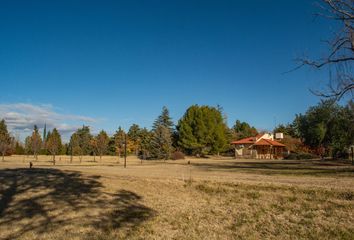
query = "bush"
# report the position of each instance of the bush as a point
(300, 156)
(177, 155)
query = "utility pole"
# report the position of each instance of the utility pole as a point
(125, 150)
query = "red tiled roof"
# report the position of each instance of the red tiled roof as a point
(268, 142)
(249, 140)
(259, 135)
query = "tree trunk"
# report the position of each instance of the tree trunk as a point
(80, 158)
(100, 157)
(3, 156)
(71, 158)
(53, 159)
(94, 157)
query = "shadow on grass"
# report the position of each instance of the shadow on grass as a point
(42, 200)
(308, 167)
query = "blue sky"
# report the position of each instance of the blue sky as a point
(111, 63)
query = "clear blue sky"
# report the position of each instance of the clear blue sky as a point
(119, 62)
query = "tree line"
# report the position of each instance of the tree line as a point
(325, 129)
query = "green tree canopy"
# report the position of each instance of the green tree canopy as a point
(327, 125)
(243, 130)
(5, 139)
(202, 130)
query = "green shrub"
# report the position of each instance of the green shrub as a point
(299, 156)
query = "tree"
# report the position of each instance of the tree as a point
(75, 148)
(5, 139)
(287, 129)
(28, 145)
(19, 149)
(85, 136)
(102, 140)
(134, 138)
(161, 142)
(165, 120)
(326, 126)
(80, 142)
(36, 142)
(202, 130)
(45, 136)
(341, 55)
(119, 138)
(243, 130)
(53, 143)
(145, 143)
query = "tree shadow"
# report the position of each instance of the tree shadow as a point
(125, 210)
(298, 167)
(42, 200)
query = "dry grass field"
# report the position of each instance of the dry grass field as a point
(207, 199)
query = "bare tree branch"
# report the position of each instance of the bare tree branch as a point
(341, 55)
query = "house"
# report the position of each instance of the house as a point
(262, 146)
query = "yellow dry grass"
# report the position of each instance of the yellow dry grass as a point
(215, 198)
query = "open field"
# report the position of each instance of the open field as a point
(207, 199)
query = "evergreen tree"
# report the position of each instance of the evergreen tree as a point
(145, 143)
(85, 137)
(161, 142)
(326, 126)
(134, 138)
(54, 143)
(243, 130)
(111, 147)
(164, 120)
(5, 139)
(202, 130)
(75, 146)
(19, 149)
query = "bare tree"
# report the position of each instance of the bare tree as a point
(341, 50)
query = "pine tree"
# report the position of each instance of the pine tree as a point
(202, 130)
(161, 143)
(5, 139)
(134, 138)
(164, 120)
(145, 143)
(243, 130)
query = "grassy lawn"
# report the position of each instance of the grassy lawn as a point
(207, 199)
